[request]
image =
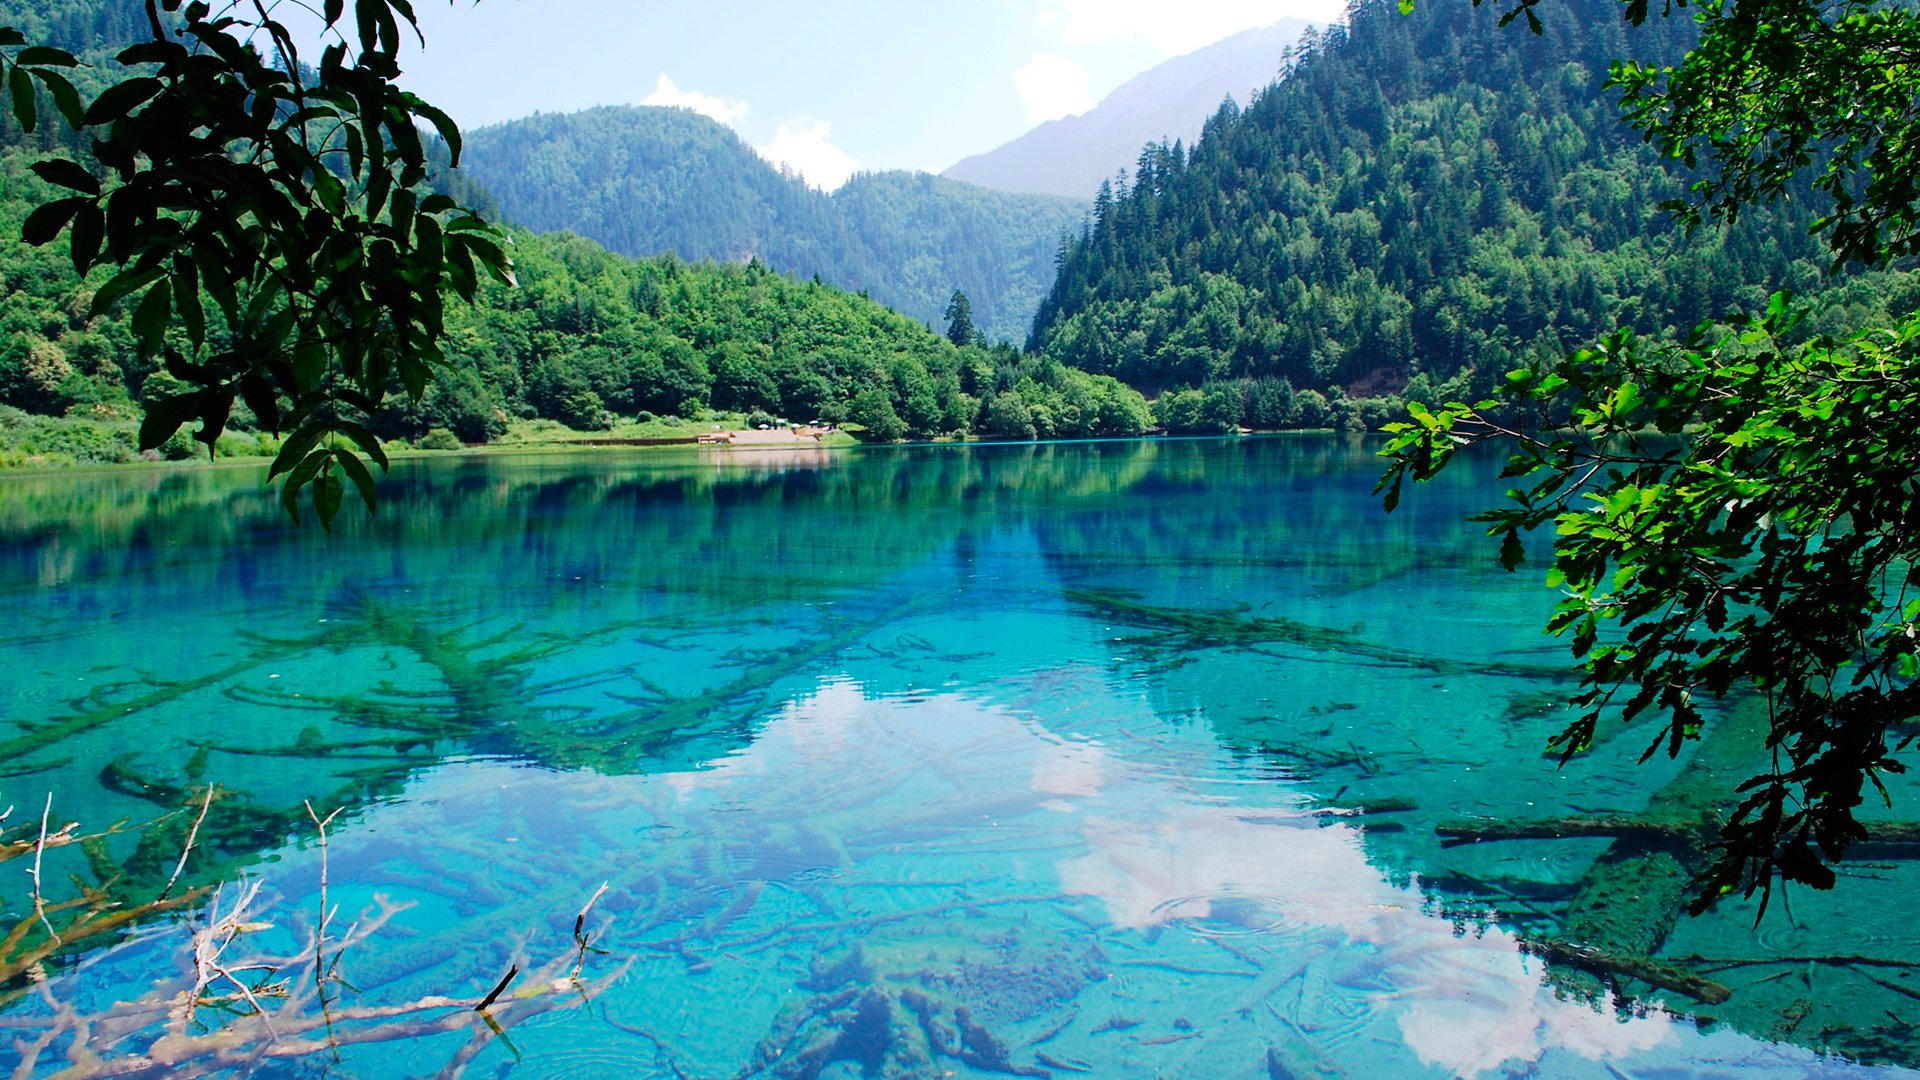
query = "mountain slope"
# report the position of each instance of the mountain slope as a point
(645, 181)
(1072, 155)
(1425, 202)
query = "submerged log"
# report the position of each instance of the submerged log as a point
(1631, 897)
(1183, 630)
(1645, 830)
(1667, 976)
(1455, 833)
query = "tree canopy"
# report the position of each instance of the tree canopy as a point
(648, 180)
(1734, 511)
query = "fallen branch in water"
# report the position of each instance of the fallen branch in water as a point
(227, 1008)
(39, 849)
(1455, 833)
(192, 834)
(1659, 973)
(1719, 963)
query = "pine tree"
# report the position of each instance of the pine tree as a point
(960, 329)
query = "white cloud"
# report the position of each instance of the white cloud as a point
(666, 93)
(804, 146)
(1180, 28)
(1052, 87)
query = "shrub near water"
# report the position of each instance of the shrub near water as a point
(29, 441)
(26, 439)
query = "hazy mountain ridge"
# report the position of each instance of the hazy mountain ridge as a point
(1070, 156)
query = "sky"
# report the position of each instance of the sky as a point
(825, 88)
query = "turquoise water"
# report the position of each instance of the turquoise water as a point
(1114, 759)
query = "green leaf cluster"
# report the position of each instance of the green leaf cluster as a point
(1731, 512)
(263, 222)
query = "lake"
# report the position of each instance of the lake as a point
(1153, 758)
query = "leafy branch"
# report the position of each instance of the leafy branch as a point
(1735, 513)
(291, 198)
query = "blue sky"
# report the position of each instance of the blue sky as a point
(825, 87)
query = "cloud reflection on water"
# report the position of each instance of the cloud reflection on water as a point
(1156, 855)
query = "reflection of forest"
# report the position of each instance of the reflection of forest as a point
(575, 611)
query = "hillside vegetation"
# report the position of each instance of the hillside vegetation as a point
(588, 338)
(646, 181)
(1425, 203)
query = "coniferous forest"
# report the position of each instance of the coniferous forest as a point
(1424, 204)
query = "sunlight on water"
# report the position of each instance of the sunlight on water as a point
(1112, 759)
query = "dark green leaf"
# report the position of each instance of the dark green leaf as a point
(449, 131)
(65, 97)
(296, 447)
(258, 393)
(150, 52)
(126, 281)
(84, 240)
(1512, 551)
(21, 86)
(302, 475)
(48, 219)
(186, 299)
(215, 407)
(150, 319)
(67, 174)
(42, 55)
(356, 471)
(164, 417)
(328, 494)
(365, 440)
(120, 99)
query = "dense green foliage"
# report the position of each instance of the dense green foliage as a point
(1735, 514)
(1424, 203)
(587, 337)
(648, 181)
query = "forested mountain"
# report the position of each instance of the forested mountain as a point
(588, 336)
(646, 180)
(1070, 156)
(1426, 202)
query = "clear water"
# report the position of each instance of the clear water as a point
(1115, 759)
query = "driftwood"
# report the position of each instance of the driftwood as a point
(228, 1008)
(1667, 976)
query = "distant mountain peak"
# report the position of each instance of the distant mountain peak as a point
(1070, 156)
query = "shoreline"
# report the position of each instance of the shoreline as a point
(743, 442)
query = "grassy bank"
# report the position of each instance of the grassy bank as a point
(32, 442)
